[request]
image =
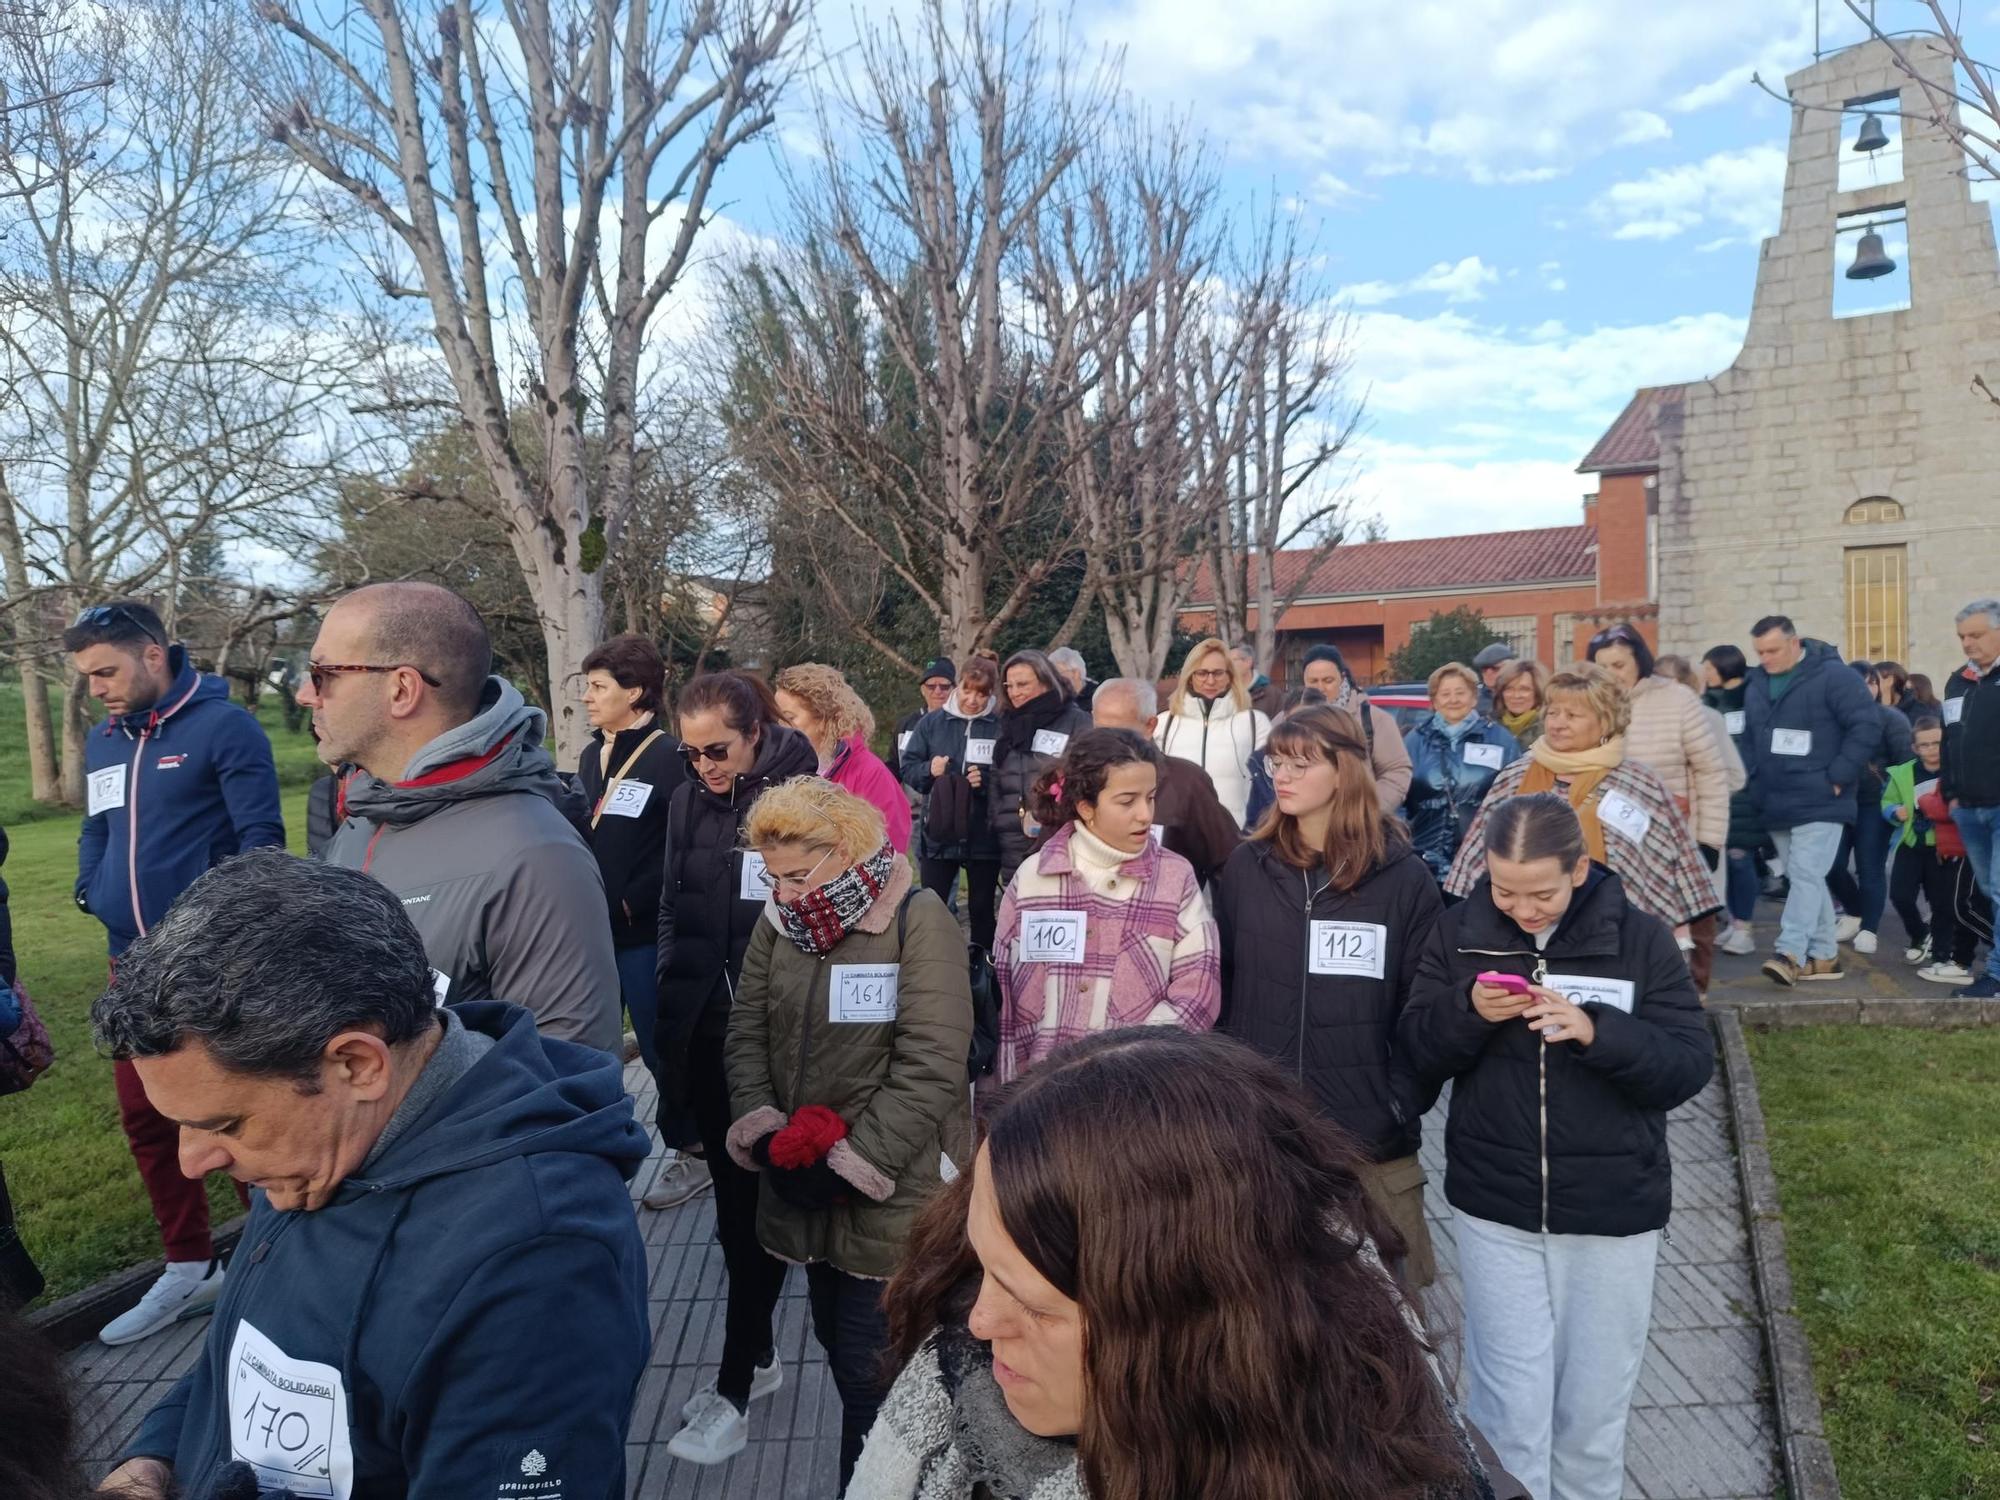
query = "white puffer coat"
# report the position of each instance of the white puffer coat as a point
(1220, 738)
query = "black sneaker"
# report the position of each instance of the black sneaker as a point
(1985, 987)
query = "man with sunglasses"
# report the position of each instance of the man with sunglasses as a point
(456, 807)
(177, 780)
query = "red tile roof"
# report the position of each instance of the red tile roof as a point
(1633, 442)
(1552, 554)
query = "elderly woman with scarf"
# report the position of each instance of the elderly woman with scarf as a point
(846, 1061)
(1630, 822)
(1327, 670)
(1037, 719)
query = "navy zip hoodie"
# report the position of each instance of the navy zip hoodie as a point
(174, 790)
(480, 1297)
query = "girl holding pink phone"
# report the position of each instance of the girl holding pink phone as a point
(1569, 1026)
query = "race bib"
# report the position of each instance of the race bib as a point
(1954, 709)
(903, 740)
(288, 1419)
(1580, 989)
(1492, 757)
(1624, 817)
(1052, 937)
(979, 752)
(1351, 948)
(628, 799)
(1733, 722)
(862, 993)
(106, 789)
(1048, 742)
(440, 985)
(755, 881)
(1791, 742)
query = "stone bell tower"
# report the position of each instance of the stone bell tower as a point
(1845, 470)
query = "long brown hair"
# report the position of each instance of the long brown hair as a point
(1237, 1342)
(1360, 837)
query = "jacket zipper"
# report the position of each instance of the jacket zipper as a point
(1305, 968)
(132, 832)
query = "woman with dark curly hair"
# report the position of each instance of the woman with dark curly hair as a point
(1160, 1278)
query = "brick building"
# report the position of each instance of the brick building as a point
(1542, 591)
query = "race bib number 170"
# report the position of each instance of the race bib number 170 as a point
(288, 1420)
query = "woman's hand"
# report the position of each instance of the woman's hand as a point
(1901, 814)
(972, 775)
(1495, 1004)
(1557, 1020)
(940, 764)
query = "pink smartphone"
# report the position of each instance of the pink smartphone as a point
(1513, 984)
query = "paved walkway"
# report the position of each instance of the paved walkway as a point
(1701, 1428)
(1885, 976)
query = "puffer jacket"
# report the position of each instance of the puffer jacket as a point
(1829, 731)
(1220, 738)
(1746, 820)
(945, 731)
(1012, 776)
(899, 1084)
(1552, 1137)
(1448, 780)
(1333, 1031)
(1671, 735)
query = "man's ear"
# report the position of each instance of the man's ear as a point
(358, 1063)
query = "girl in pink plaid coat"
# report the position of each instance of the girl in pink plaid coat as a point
(1101, 927)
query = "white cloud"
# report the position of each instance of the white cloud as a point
(1463, 281)
(1419, 493)
(1738, 190)
(1638, 126)
(1330, 191)
(1552, 276)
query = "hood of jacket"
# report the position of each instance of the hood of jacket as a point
(954, 709)
(782, 753)
(499, 749)
(188, 686)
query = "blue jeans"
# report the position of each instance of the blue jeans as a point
(1806, 930)
(1741, 872)
(639, 987)
(1864, 893)
(1980, 828)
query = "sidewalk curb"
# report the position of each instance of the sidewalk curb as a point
(1808, 1460)
(1941, 1014)
(75, 1319)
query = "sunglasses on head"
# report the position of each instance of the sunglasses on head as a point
(319, 671)
(101, 615)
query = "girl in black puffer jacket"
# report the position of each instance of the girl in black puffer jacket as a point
(1556, 1148)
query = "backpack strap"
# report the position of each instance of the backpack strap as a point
(903, 918)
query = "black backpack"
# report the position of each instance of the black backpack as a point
(948, 814)
(985, 985)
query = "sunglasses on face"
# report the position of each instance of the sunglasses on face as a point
(99, 616)
(695, 754)
(320, 671)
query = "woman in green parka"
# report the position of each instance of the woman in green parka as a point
(847, 1067)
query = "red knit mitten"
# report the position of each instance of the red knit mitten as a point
(813, 1132)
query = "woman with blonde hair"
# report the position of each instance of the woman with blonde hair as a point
(1629, 820)
(822, 705)
(1517, 700)
(1210, 723)
(846, 1060)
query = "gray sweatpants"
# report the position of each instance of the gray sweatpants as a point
(1555, 1332)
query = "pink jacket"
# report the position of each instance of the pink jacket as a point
(859, 770)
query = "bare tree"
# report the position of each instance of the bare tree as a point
(910, 393)
(1275, 415)
(166, 375)
(583, 139)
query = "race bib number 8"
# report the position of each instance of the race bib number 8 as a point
(1619, 814)
(288, 1420)
(106, 789)
(1352, 948)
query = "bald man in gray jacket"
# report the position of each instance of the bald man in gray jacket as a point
(456, 807)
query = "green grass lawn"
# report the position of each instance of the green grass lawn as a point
(83, 1213)
(1888, 1160)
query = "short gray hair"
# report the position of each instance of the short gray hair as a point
(1145, 697)
(264, 960)
(1069, 656)
(1987, 607)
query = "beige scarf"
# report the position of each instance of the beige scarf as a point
(1583, 771)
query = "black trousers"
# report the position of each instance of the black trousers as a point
(982, 882)
(1906, 883)
(852, 1328)
(1950, 938)
(756, 1279)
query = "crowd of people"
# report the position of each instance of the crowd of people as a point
(1160, 1114)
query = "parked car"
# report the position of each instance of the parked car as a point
(1406, 702)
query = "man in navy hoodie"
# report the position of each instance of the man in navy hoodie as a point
(441, 1292)
(178, 779)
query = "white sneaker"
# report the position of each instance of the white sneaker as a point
(1945, 972)
(1845, 929)
(1739, 940)
(1921, 954)
(680, 1180)
(1864, 941)
(765, 1380)
(716, 1432)
(174, 1296)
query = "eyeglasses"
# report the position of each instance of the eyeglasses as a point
(694, 754)
(319, 671)
(99, 615)
(798, 882)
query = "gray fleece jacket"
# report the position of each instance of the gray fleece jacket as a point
(501, 886)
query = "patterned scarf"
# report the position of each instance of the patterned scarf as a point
(819, 919)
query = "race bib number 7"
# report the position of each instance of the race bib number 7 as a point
(288, 1420)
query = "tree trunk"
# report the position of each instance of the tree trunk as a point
(572, 626)
(43, 784)
(75, 725)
